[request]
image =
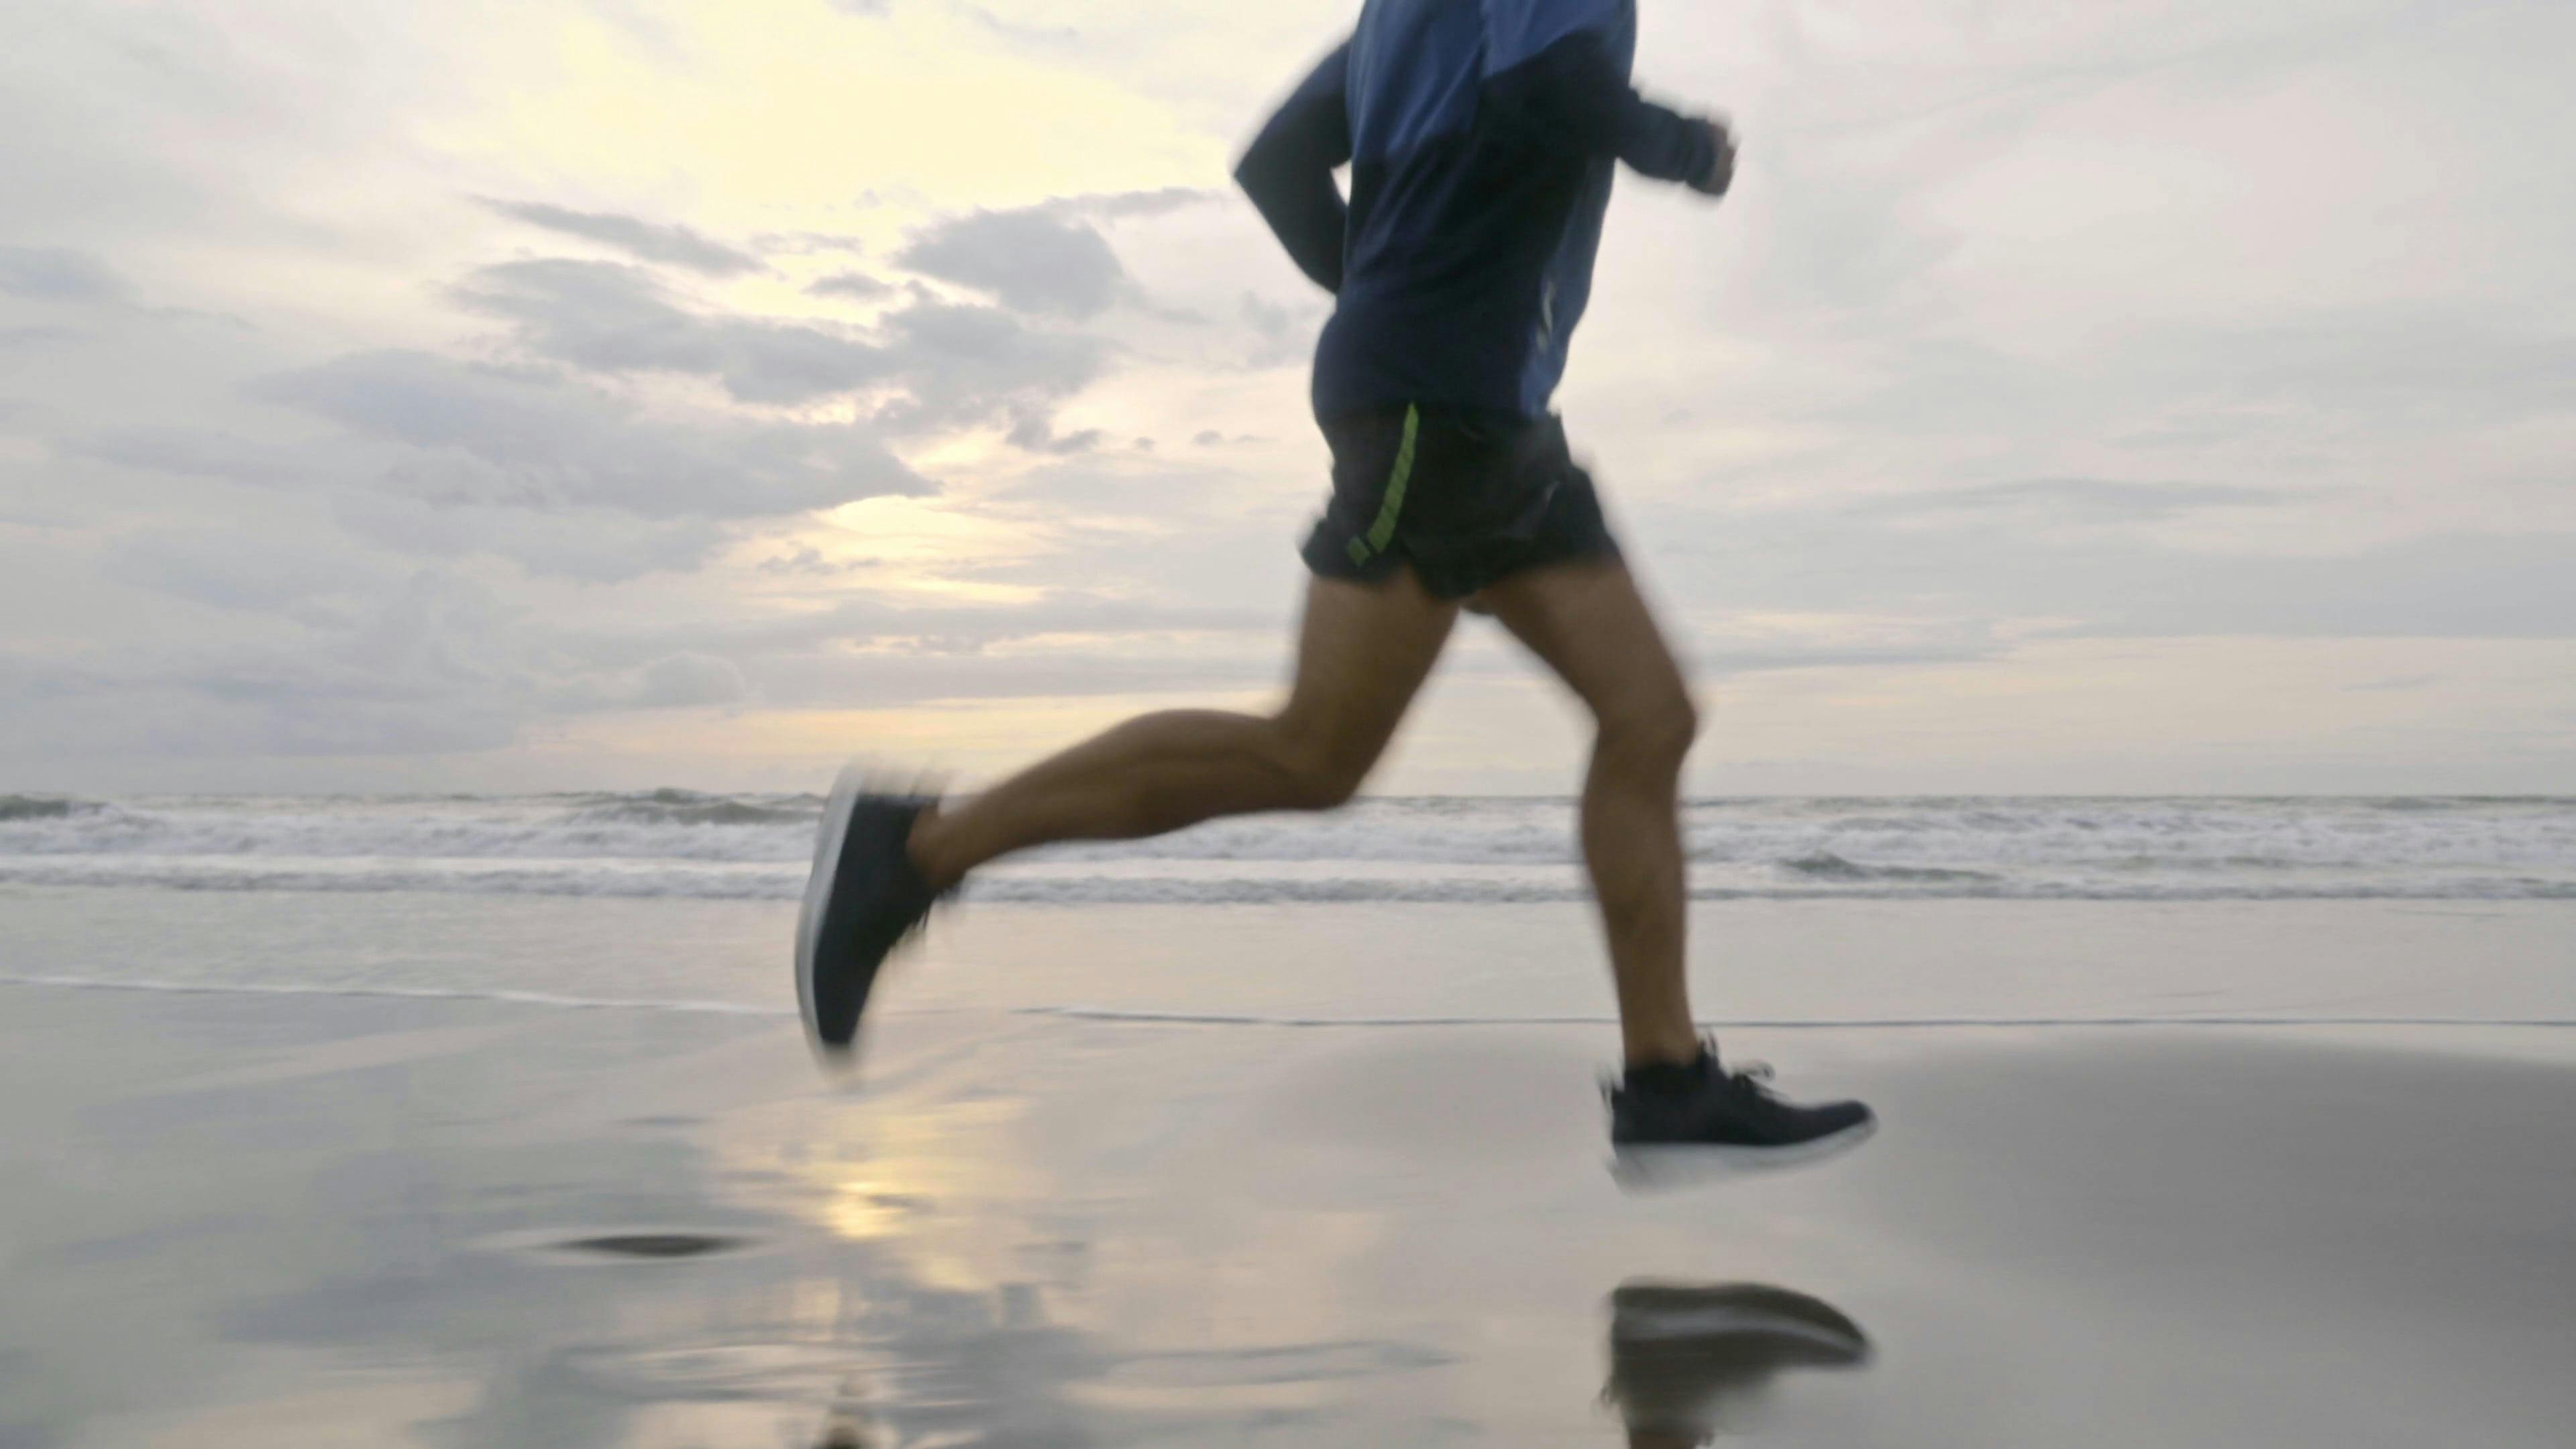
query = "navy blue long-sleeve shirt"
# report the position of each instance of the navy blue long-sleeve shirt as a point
(1482, 136)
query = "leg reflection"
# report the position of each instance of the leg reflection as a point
(1688, 1363)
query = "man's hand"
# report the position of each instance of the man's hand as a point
(1721, 171)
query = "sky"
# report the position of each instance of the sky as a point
(2175, 396)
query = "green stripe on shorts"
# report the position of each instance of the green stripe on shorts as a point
(1382, 532)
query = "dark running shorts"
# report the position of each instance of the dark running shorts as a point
(1467, 499)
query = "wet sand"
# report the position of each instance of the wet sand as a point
(258, 1221)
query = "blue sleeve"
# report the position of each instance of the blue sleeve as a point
(1575, 96)
(1288, 172)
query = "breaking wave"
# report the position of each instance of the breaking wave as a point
(40, 807)
(688, 844)
(688, 807)
(1825, 865)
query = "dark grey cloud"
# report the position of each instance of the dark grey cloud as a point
(667, 243)
(1036, 434)
(57, 274)
(806, 560)
(928, 366)
(492, 436)
(607, 317)
(971, 365)
(851, 284)
(1032, 259)
(1284, 335)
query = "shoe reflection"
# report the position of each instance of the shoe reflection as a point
(1689, 1363)
(848, 1428)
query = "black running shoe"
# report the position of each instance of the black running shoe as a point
(864, 897)
(1675, 1124)
(1690, 1363)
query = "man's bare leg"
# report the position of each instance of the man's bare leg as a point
(1587, 622)
(1362, 655)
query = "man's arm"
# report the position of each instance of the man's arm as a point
(1288, 173)
(1572, 96)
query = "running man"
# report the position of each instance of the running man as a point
(1482, 136)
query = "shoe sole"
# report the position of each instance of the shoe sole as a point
(1645, 1328)
(834, 833)
(1660, 1167)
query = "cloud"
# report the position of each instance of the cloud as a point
(1054, 37)
(1032, 259)
(1037, 434)
(806, 560)
(850, 284)
(57, 274)
(608, 317)
(431, 667)
(194, 453)
(587, 545)
(928, 366)
(686, 681)
(2092, 500)
(1128, 205)
(234, 568)
(669, 244)
(806, 243)
(2114, 579)
(520, 438)
(675, 681)
(970, 365)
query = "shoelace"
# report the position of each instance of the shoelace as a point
(1750, 1084)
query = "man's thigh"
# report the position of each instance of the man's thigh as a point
(1362, 654)
(1586, 620)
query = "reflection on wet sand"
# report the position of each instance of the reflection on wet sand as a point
(848, 1426)
(1688, 1363)
(1093, 1235)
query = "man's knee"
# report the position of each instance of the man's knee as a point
(1317, 774)
(1657, 732)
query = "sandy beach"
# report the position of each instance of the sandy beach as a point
(253, 1220)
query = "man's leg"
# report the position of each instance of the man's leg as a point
(1361, 657)
(1586, 621)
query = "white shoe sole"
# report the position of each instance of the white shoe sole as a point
(1660, 1168)
(837, 810)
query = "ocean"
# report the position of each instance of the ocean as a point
(1399, 910)
(679, 843)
